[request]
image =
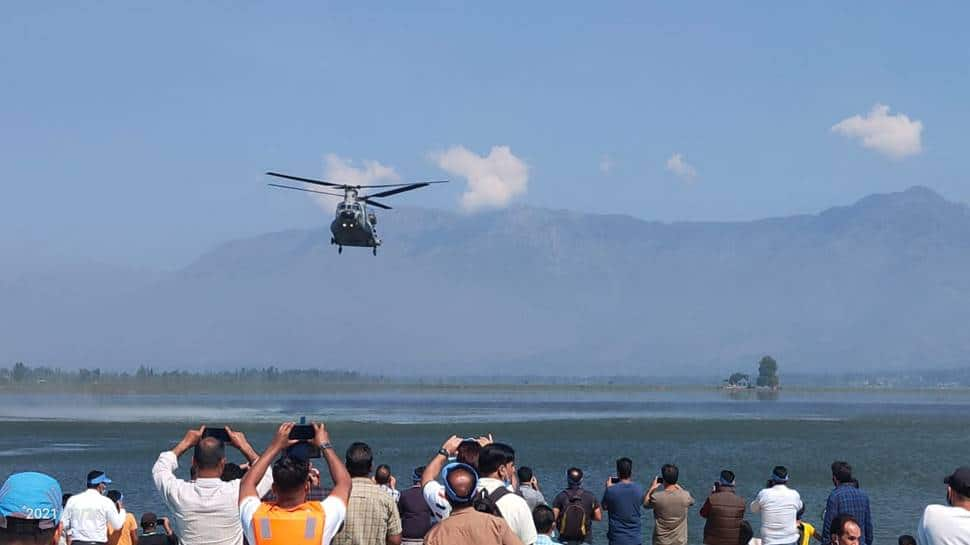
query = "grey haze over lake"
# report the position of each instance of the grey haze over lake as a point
(882, 284)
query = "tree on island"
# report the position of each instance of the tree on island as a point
(768, 373)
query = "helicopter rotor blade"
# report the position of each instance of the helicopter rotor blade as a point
(390, 192)
(375, 203)
(307, 180)
(307, 190)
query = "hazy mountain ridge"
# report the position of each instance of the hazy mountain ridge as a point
(879, 284)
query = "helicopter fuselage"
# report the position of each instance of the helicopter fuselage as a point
(354, 226)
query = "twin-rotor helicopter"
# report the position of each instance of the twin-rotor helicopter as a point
(353, 224)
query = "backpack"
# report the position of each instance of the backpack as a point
(486, 502)
(572, 522)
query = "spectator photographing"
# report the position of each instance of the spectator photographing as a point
(724, 511)
(127, 534)
(623, 500)
(847, 499)
(669, 502)
(575, 509)
(205, 509)
(529, 487)
(292, 519)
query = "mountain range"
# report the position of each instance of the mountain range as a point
(881, 284)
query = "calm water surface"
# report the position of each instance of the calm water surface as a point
(901, 444)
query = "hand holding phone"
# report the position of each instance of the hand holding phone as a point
(219, 433)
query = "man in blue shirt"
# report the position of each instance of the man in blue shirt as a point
(623, 500)
(847, 499)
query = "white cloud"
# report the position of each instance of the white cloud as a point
(493, 180)
(681, 168)
(893, 135)
(606, 164)
(340, 170)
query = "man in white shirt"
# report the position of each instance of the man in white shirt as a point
(88, 514)
(291, 519)
(779, 506)
(205, 509)
(948, 524)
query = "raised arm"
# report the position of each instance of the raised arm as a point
(247, 488)
(238, 440)
(434, 467)
(338, 471)
(163, 472)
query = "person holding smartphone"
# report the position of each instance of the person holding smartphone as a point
(292, 518)
(205, 509)
(623, 500)
(669, 504)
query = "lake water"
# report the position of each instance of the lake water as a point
(902, 444)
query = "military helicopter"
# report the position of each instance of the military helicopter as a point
(353, 225)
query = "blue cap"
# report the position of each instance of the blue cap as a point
(98, 477)
(31, 496)
(450, 492)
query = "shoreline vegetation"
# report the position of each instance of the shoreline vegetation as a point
(23, 379)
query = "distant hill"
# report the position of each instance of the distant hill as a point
(882, 284)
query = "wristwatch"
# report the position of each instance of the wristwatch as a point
(325, 446)
(444, 452)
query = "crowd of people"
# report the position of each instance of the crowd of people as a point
(471, 492)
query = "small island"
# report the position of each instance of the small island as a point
(767, 378)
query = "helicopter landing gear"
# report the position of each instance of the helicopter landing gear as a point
(375, 250)
(340, 249)
(333, 241)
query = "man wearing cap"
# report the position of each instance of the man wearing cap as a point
(465, 525)
(152, 535)
(88, 514)
(30, 512)
(948, 524)
(779, 506)
(206, 508)
(574, 532)
(724, 511)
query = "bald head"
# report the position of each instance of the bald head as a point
(462, 481)
(846, 531)
(209, 456)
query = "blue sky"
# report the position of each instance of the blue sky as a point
(139, 134)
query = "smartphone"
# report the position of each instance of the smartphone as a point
(219, 433)
(303, 432)
(660, 480)
(614, 480)
(303, 451)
